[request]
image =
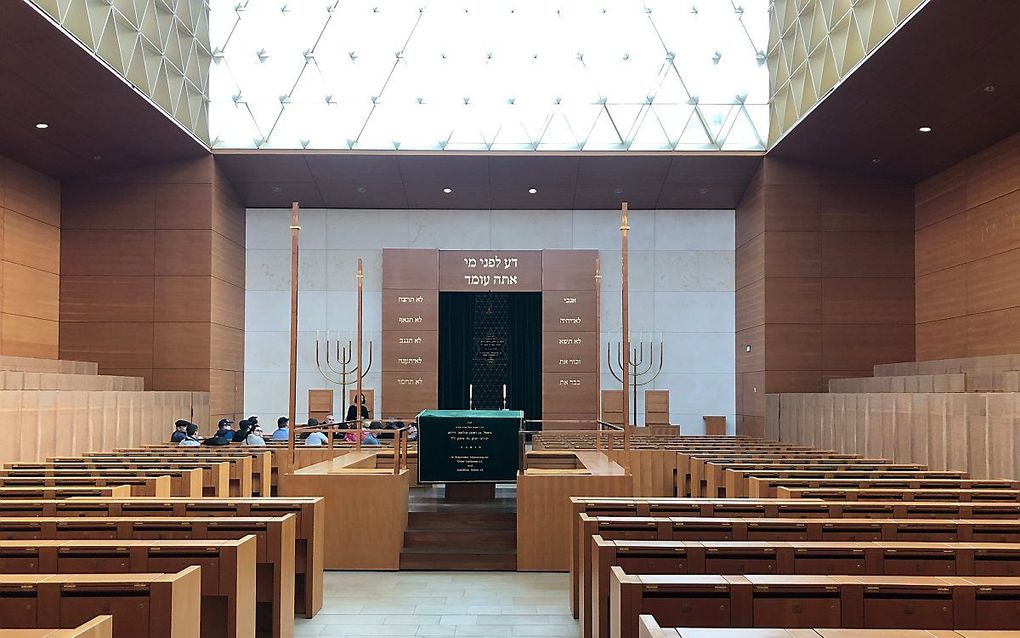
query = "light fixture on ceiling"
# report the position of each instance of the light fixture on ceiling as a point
(703, 190)
(447, 190)
(876, 160)
(990, 88)
(532, 190)
(362, 190)
(618, 190)
(276, 189)
(97, 157)
(42, 125)
(925, 129)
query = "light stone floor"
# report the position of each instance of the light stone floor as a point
(491, 604)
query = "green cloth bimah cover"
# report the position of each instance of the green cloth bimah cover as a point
(469, 446)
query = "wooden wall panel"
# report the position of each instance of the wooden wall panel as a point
(29, 262)
(152, 267)
(967, 253)
(836, 262)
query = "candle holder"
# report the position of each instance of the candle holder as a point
(640, 373)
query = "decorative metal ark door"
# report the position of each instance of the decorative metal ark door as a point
(491, 348)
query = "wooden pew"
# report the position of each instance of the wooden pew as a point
(879, 494)
(608, 507)
(780, 529)
(262, 460)
(813, 558)
(183, 482)
(274, 545)
(138, 485)
(216, 473)
(699, 467)
(869, 602)
(308, 512)
(152, 605)
(74, 491)
(736, 477)
(228, 571)
(98, 627)
(239, 467)
(649, 628)
(762, 487)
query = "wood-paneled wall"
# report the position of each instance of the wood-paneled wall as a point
(824, 276)
(29, 261)
(36, 424)
(967, 222)
(152, 279)
(973, 432)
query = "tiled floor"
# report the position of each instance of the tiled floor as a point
(491, 604)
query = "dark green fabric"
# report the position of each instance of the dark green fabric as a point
(455, 348)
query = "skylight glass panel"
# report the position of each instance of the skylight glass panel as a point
(656, 75)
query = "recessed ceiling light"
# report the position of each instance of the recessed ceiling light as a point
(876, 160)
(703, 190)
(925, 129)
(447, 190)
(42, 125)
(97, 157)
(990, 88)
(277, 189)
(362, 189)
(618, 190)
(532, 190)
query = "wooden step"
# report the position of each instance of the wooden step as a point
(453, 519)
(466, 539)
(454, 559)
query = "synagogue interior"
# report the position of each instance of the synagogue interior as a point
(511, 319)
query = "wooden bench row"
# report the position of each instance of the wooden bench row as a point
(98, 627)
(866, 602)
(607, 508)
(274, 555)
(814, 558)
(149, 605)
(228, 571)
(649, 628)
(308, 513)
(698, 528)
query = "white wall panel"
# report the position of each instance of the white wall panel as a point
(682, 283)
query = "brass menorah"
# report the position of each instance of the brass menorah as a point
(641, 366)
(342, 366)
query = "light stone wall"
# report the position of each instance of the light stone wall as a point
(681, 281)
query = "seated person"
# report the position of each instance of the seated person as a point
(254, 437)
(314, 438)
(180, 431)
(282, 432)
(191, 437)
(224, 430)
(244, 427)
(412, 432)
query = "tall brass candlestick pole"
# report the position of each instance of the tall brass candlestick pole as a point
(598, 339)
(295, 231)
(357, 399)
(624, 228)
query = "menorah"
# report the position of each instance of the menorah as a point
(343, 367)
(640, 369)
